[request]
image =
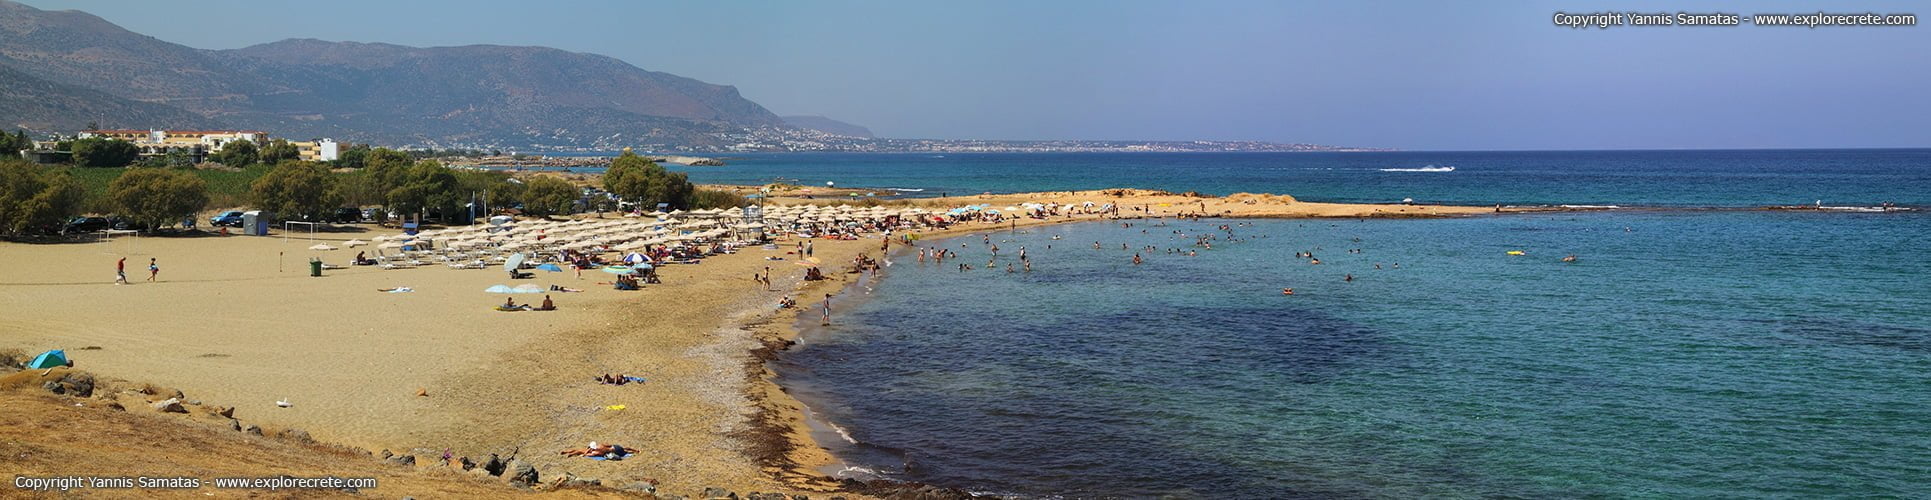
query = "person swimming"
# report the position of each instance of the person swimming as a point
(1287, 291)
(1570, 258)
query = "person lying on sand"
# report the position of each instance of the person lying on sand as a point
(608, 379)
(610, 451)
(400, 289)
(560, 288)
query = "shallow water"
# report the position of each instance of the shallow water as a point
(1684, 354)
(1628, 178)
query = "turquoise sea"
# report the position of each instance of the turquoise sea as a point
(1686, 353)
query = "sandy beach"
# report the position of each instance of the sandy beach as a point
(236, 320)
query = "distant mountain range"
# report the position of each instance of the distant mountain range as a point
(62, 69)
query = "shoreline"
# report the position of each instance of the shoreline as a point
(712, 413)
(785, 419)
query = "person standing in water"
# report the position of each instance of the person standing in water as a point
(827, 318)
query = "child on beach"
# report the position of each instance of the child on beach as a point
(154, 270)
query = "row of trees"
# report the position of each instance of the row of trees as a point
(111, 153)
(34, 197)
(391, 180)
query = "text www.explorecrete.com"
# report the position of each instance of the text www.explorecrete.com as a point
(1606, 20)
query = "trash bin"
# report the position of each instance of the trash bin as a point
(315, 267)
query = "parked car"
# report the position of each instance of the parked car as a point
(86, 225)
(347, 214)
(118, 222)
(231, 218)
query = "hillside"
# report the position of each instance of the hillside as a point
(35, 104)
(370, 92)
(829, 126)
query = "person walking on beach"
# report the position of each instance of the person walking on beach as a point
(154, 270)
(807, 249)
(120, 272)
(827, 318)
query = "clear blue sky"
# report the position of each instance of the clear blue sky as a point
(1413, 75)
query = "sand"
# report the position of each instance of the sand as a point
(45, 436)
(236, 320)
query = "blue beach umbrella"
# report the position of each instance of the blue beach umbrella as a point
(552, 267)
(500, 289)
(618, 270)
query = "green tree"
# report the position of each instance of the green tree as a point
(98, 152)
(508, 192)
(156, 197)
(550, 196)
(426, 186)
(239, 153)
(32, 196)
(278, 150)
(11, 144)
(670, 187)
(628, 177)
(638, 179)
(297, 189)
(711, 198)
(355, 156)
(386, 155)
